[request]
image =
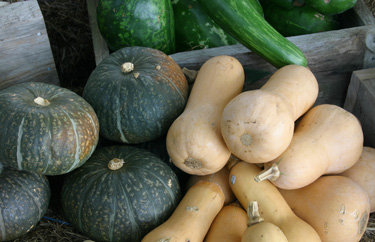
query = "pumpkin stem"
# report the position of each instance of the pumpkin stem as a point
(272, 174)
(115, 164)
(127, 67)
(41, 101)
(253, 214)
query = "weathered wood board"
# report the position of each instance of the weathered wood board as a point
(25, 51)
(360, 101)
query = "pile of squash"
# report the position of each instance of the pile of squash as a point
(262, 165)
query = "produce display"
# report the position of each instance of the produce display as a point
(151, 154)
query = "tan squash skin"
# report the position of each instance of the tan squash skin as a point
(193, 216)
(258, 125)
(221, 178)
(363, 173)
(337, 207)
(194, 140)
(229, 224)
(327, 140)
(272, 206)
(260, 230)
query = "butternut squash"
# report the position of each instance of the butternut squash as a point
(327, 140)
(260, 230)
(272, 205)
(337, 207)
(221, 178)
(258, 125)
(193, 216)
(194, 141)
(363, 173)
(229, 224)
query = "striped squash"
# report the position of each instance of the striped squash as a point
(24, 199)
(45, 129)
(120, 194)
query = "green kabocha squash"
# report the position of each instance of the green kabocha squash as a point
(331, 6)
(195, 29)
(120, 194)
(136, 92)
(24, 199)
(148, 23)
(45, 128)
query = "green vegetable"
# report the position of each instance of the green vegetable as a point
(331, 6)
(147, 23)
(195, 29)
(241, 20)
(120, 194)
(299, 20)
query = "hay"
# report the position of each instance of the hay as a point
(69, 34)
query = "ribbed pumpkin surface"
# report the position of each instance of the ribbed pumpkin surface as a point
(139, 105)
(123, 204)
(52, 139)
(24, 199)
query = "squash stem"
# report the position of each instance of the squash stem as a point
(115, 164)
(253, 214)
(272, 174)
(127, 67)
(41, 101)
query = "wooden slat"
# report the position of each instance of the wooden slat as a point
(100, 46)
(360, 101)
(25, 51)
(332, 56)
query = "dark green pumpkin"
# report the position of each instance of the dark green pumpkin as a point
(46, 129)
(24, 199)
(195, 29)
(122, 203)
(148, 23)
(138, 105)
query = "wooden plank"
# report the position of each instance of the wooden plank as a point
(100, 46)
(364, 13)
(25, 51)
(360, 101)
(332, 56)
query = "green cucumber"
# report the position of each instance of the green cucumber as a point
(147, 23)
(244, 23)
(332, 6)
(299, 20)
(194, 29)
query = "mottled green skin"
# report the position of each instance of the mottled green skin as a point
(331, 6)
(244, 23)
(134, 109)
(195, 29)
(299, 20)
(49, 140)
(148, 23)
(120, 205)
(24, 199)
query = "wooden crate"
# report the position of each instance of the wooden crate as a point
(360, 100)
(25, 51)
(332, 55)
